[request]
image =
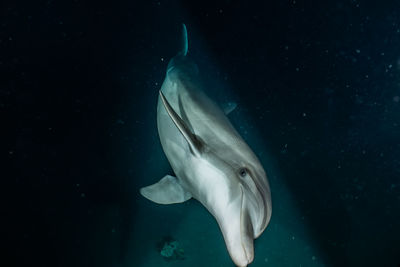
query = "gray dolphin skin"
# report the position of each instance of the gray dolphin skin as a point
(212, 163)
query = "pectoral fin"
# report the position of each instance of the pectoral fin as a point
(166, 191)
(194, 144)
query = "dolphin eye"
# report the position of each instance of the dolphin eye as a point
(243, 172)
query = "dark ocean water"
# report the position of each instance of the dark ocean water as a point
(317, 85)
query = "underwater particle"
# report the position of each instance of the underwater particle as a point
(358, 51)
(162, 59)
(113, 230)
(83, 195)
(284, 149)
(359, 99)
(304, 114)
(266, 260)
(313, 258)
(396, 99)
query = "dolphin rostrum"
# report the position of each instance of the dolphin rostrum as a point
(212, 163)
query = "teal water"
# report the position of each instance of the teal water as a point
(317, 87)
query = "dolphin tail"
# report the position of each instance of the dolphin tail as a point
(184, 49)
(181, 56)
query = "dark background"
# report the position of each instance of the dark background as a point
(320, 78)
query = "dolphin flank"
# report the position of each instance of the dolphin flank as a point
(211, 162)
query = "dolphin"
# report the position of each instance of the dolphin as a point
(211, 162)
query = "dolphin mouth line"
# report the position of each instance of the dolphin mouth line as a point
(241, 226)
(264, 204)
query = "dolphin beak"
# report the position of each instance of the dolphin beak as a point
(238, 234)
(242, 253)
(246, 231)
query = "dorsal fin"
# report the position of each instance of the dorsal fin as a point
(184, 40)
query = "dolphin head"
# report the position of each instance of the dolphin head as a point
(232, 186)
(238, 195)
